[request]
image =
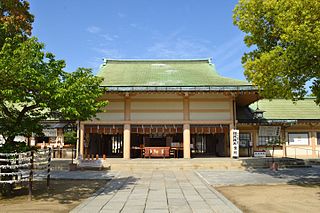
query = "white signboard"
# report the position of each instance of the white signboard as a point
(298, 139)
(50, 132)
(260, 154)
(271, 131)
(235, 144)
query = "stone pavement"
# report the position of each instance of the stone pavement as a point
(75, 175)
(262, 176)
(156, 191)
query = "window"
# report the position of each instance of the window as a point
(268, 134)
(318, 138)
(265, 140)
(245, 139)
(298, 138)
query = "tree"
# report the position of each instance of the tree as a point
(70, 137)
(286, 38)
(34, 87)
(15, 19)
(273, 144)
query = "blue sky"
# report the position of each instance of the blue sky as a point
(83, 32)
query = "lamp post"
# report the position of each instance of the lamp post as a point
(258, 116)
(258, 113)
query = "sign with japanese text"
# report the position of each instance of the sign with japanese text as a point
(260, 154)
(235, 143)
(50, 132)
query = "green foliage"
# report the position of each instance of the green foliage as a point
(275, 142)
(15, 19)
(34, 87)
(79, 96)
(286, 38)
(15, 147)
(70, 137)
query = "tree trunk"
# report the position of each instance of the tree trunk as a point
(274, 164)
(272, 154)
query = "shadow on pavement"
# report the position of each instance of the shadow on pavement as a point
(295, 176)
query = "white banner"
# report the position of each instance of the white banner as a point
(298, 139)
(235, 143)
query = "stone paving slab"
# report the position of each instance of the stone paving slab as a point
(173, 191)
(76, 175)
(261, 176)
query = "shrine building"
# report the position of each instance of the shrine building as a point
(185, 109)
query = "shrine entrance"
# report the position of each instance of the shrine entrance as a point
(209, 141)
(104, 141)
(156, 141)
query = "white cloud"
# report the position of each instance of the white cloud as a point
(95, 63)
(121, 15)
(175, 47)
(133, 25)
(232, 69)
(103, 53)
(94, 29)
(228, 50)
(109, 52)
(226, 56)
(108, 37)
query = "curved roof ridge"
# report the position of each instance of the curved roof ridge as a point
(158, 60)
(163, 72)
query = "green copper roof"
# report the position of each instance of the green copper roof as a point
(163, 73)
(286, 109)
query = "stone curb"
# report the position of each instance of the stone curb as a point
(233, 207)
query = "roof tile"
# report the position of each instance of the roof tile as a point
(196, 72)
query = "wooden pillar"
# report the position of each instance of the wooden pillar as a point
(284, 145)
(314, 143)
(127, 107)
(81, 140)
(255, 140)
(186, 108)
(186, 141)
(126, 141)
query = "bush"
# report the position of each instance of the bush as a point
(15, 147)
(70, 137)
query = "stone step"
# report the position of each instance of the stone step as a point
(315, 162)
(165, 164)
(60, 164)
(265, 162)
